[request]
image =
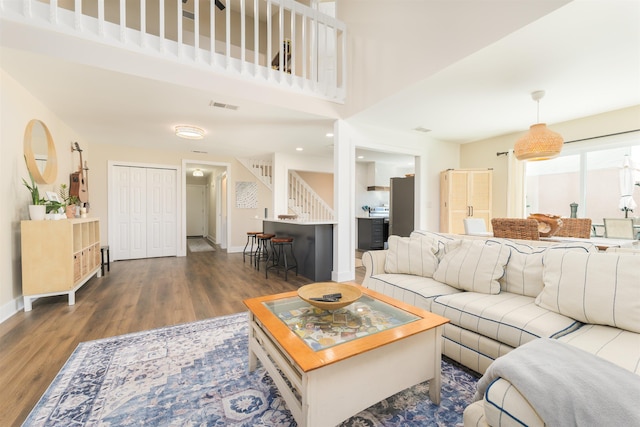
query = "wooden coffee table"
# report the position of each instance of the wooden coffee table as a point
(329, 366)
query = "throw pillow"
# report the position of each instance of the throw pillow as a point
(440, 242)
(408, 255)
(598, 288)
(523, 274)
(475, 265)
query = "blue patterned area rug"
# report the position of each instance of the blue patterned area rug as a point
(195, 374)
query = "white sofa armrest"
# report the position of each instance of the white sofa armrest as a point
(373, 262)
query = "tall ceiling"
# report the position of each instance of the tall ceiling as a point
(585, 55)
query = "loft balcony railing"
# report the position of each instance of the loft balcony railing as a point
(279, 42)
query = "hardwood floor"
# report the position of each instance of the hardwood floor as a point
(135, 295)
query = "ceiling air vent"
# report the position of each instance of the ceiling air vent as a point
(225, 106)
(422, 129)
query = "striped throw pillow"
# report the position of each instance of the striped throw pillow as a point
(475, 265)
(407, 255)
(597, 288)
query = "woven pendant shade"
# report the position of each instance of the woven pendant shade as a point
(539, 143)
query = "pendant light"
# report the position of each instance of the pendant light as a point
(539, 143)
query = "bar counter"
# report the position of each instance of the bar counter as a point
(312, 245)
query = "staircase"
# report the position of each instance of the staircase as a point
(303, 201)
(262, 169)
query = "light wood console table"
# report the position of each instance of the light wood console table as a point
(58, 257)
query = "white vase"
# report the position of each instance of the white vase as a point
(37, 212)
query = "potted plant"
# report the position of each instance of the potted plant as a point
(37, 208)
(68, 200)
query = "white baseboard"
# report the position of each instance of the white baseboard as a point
(11, 308)
(342, 276)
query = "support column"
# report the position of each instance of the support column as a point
(344, 188)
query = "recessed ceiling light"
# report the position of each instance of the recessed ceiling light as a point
(329, 135)
(299, 149)
(189, 132)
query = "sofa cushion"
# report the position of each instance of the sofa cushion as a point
(474, 351)
(440, 242)
(508, 318)
(415, 290)
(474, 265)
(504, 406)
(523, 273)
(615, 345)
(407, 255)
(599, 288)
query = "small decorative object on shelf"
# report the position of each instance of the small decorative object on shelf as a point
(574, 210)
(70, 201)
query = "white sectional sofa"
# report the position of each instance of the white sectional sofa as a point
(501, 294)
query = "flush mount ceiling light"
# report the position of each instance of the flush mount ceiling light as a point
(189, 132)
(539, 143)
(198, 172)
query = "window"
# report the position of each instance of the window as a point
(587, 174)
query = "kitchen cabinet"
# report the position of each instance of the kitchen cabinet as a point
(464, 193)
(372, 233)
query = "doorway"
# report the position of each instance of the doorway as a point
(196, 210)
(205, 205)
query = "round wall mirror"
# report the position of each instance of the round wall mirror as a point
(40, 152)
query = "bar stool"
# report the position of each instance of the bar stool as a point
(262, 252)
(251, 237)
(279, 256)
(104, 250)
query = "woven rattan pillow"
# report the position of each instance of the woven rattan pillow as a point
(475, 265)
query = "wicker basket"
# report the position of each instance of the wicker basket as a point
(575, 227)
(547, 224)
(515, 228)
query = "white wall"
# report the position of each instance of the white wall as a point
(432, 156)
(394, 44)
(482, 154)
(17, 108)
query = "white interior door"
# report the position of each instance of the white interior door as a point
(195, 210)
(138, 212)
(161, 214)
(144, 212)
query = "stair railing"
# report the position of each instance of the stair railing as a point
(305, 202)
(228, 40)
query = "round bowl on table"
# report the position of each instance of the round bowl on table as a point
(349, 293)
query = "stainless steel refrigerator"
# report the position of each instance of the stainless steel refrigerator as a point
(401, 206)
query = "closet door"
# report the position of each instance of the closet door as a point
(161, 213)
(129, 199)
(138, 213)
(145, 212)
